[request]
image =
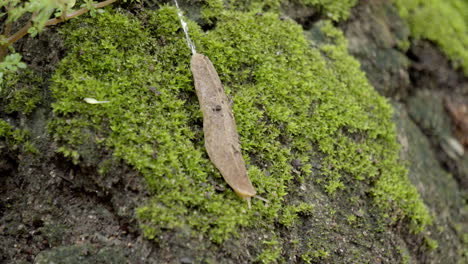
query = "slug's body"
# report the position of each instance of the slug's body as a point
(219, 127)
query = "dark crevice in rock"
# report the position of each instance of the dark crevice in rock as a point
(308, 22)
(208, 26)
(306, 16)
(432, 73)
(430, 69)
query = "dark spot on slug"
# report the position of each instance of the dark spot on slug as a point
(217, 108)
(235, 149)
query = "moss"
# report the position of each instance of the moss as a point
(271, 252)
(431, 244)
(332, 9)
(291, 213)
(291, 102)
(405, 256)
(315, 256)
(464, 250)
(15, 138)
(351, 219)
(443, 22)
(19, 92)
(335, 10)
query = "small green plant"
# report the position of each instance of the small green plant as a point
(315, 256)
(351, 219)
(291, 213)
(271, 252)
(11, 64)
(430, 243)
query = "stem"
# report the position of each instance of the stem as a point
(3, 52)
(24, 30)
(79, 12)
(7, 29)
(6, 33)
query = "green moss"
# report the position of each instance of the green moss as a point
(464, 250)
(315, 256)
(19, 92)
(335, 10)
(16, 139)
(443, 22)
(291, 101)
(431, 244)
(332, 9)
(291, 213)
(405, 255)
(271, 252)
(351, 219)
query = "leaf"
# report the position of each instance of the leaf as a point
(219, 127)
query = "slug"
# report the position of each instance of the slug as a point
(219, 127)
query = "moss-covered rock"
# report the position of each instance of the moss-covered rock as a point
(438, 187)
(378, 38)
(308, 122)
(443, 22)
(19, 92)
(13, 139)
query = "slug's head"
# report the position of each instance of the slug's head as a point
(245, 195)
(248, 196)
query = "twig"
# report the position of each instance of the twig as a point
(6, 33)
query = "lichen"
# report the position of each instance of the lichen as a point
(443, 22)
(292, 100)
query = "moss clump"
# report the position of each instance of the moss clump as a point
(291, 213)
(14, 138)
(333, 9)
(291, 102)
(271, 252)
(443, 22)
(315, 256)
(19, 92)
